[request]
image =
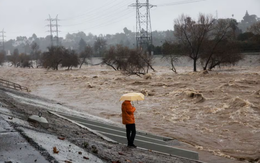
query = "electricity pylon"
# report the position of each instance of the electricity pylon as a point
(143, 24)
(56, 30)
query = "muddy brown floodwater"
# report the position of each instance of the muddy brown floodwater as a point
(218, 112)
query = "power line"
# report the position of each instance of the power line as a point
(100, 16)
(109, 13)
(105, 16)
(179, 3)
(94, 10)
(110, 21)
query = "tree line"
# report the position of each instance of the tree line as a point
(208, 41)
(71, 40)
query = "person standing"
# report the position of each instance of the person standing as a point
(129, 120)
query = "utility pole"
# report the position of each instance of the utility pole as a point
(143, 24)
(3, 39)
(56, 30)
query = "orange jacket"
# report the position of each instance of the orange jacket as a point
(128, 113)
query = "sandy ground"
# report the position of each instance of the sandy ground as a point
(217, 112)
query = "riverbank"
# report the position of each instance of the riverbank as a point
(216, 113)
(73, 143)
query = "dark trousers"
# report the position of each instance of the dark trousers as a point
(130, 133)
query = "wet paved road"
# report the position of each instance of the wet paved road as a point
(143, 140)
(14, 148)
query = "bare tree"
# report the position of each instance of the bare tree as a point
(53, 57)
(109, 58)
(147, 58)
(209, 40)
(24, 61)
(59, 56)
(128, 61)
(86, 54)
(193, 34)
(213, 47)
(135, 65)
(116, 57)
(171, 52)
(69, 59)
(227, 53)
(255, 28)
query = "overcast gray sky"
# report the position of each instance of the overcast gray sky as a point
(25, 17)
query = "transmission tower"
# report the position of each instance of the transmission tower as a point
(143, 24)
(50, 25)
(3, 39)
(55, 30)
